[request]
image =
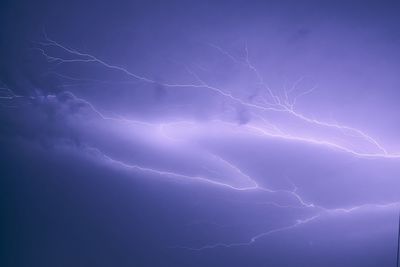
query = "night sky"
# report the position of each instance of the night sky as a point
(199, 133)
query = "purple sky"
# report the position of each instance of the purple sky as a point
(200, 133)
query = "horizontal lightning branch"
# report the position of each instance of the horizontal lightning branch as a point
(268, 101)
(271, 101)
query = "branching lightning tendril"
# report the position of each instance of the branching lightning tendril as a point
(265, 102)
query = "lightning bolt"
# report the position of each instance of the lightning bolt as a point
(268, 101)
(298, 223)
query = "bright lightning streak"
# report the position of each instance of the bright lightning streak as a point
(274, 104)
(208, 180)
(270, 102)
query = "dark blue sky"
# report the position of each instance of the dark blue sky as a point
(199, 133)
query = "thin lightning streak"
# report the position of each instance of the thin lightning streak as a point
(277, 133)
(292, 193)
(298, 223)
(364, 206)
(277, 105)
(222, 51)
(323, 143)
(174, 174)
(91, 58)
(254, 238)
(289, 108)
(253, 187)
